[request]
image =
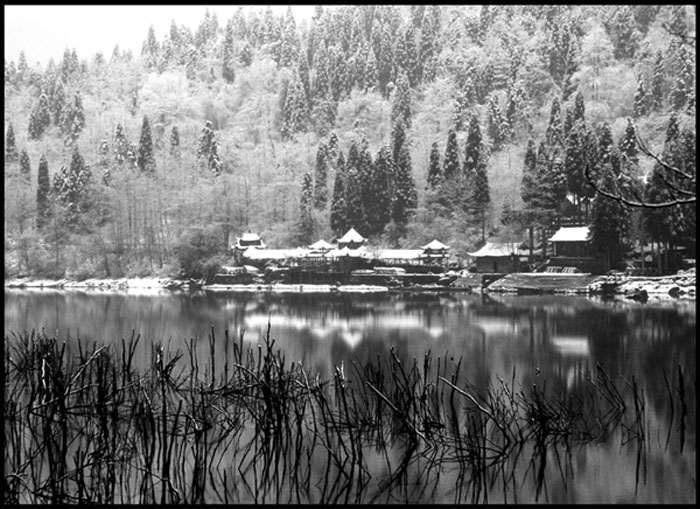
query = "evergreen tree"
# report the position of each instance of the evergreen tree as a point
(401, 105)
(623, 32)
(246, 53)
(657, 83)
(405, 196)
(628, 144)
(380, 207)
(398, 139)
(407, 55)
(42, 193)
(11, 154)
(121, 145)
(497, 126)
(150, 49)
(306, 218)
(608, 225)
(480, 199)
(355, 213)
(474, 152)
(371, 75)
(321, 187)
(683, 85)
(562, 49)
(434, 168)
(40, 118)
(207, 150)
(575, 161)
(555, 135)
(289, 49)
(579, 108)
(296, 111)
(640, 99)
(24, 166)
(174, 142)
(606, 146)
(338, 221)
(529, 186)
(72, 188)
(450, 163)
(146, 159)
(303, 69)
(228, 68)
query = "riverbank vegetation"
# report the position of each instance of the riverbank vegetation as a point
(130, 422)
(405, 122)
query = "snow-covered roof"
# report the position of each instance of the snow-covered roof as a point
(321, 245)
(249, 237)
(570, 234)
(496, 249)
(346, 251)
(252, 253)
(351, 236)
(435, 245)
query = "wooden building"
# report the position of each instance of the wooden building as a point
(497, 257)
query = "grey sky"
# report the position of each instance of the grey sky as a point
(45, 31)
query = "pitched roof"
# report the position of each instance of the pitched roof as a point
(570, 234)
(496, 249)
(351, 236)
(435, 245)
(321, 245)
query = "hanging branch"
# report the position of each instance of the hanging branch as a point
(679, 196)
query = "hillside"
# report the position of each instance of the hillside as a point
(138, 165)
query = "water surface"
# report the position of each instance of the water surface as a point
(552, 340)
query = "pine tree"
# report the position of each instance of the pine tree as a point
(398, 139)
(450, 163)
(146, 159)
(623, 32)
(407, 55)
(608, 225)
(657, 83)
(606, 146)
(228, 68)
(474, 151)
(42, 193)
(405, 196)
(24, 166)
(683, 84)
(628, 144)
(380, 206)
(640, 99)
(575, 160)
(371, 75)
(529, 186)
(11, 154)
(434, 168)
(72, 188)
(174, 142)
(355, 213)
(150, 49)
(496, 124)
(40, 118)
(555, 135)
(306, 219)
(289, 43)
(321, 187)
(121, 145)
(303, 69)
(296, 111)
(401, 105)
(579, 108)
(338, 221)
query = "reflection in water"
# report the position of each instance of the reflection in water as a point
(557, 341)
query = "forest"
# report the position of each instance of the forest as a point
(408, 123)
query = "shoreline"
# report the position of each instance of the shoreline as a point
(673, 286)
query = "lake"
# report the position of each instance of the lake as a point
(551, 341)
